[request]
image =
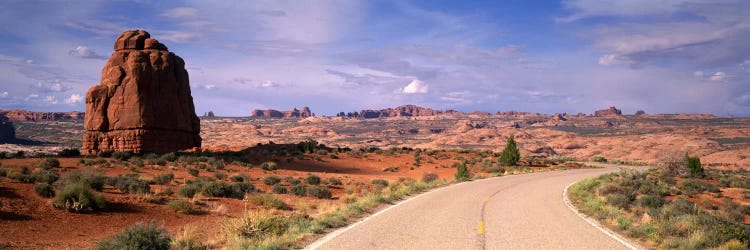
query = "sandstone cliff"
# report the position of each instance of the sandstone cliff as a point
(143, 102)
(272, 113)
(30, 116)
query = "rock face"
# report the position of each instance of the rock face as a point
(400, 111)
(7, 132)
(611, 111)
(30, 116)
(209, 114)
(272, 113)
(143, 102)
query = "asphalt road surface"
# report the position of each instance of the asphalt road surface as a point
(510, 212)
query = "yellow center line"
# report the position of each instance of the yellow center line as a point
(480, 228)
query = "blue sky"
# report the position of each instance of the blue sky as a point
(671, 56)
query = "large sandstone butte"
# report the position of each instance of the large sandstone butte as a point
(7, 132)
(143, 102)
(272, 113)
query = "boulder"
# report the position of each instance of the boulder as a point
(143, 102)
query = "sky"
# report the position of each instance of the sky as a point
(669, 56)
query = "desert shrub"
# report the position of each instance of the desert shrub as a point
(510, 154)
(224, 189)
(279, 189)
(132, 184)
(651, 201)
(312, 179)
(4, 172)
(269, 165)
(334, 156)
(429, 177)
(335, 181)
(163, 179)
(292, 180)
(379, 183)
(220, 175)
(259, 225)
(217, 163)
(69, 152)
(694, 165)
(189, 190)
(24, 178)
(462, 173)
(619, 200)
(181, 206)
(46, 176)
(319, 192)
(49, 163)
(123, 156)
(598, 159)
(692, 187)
(44, 190)
(240, 178)
(25, 170)
(298, 190)
(168, 157)
(141, 236)
(271, 180)
(92, 179)
(193, 172)
(269, 201)
(78, 197)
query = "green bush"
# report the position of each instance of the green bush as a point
(298, 190)
(269, 165)
(189, 190)
(319, 192)
(269, 201)
(240, 178)
(78, 197)
(510, 155)
(49, 163)
(429, 177)
(88, 177)
(335, 181)
(223, 189)
(379, 183)
(181, 206)
(462, 173)
(598, 159)
(123, 156)
(271, 180)
(44, 190)
(312, 179)
(163, 179)
(694, 165)
(193, 172)
(692, 187)
(141, 236)
(47, 176)
(279, 189)
(651, 201)
(69, 152)
(220, 175)
(132, 184)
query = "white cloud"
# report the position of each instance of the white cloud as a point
(4, 94)
(698, 73)
(613, 59)
(50, 87)
(50, 99)
(268, 84)
(85, 52)
(718, 76)
(416, 87)
(180, 12)
(74, 99)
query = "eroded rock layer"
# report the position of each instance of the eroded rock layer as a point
(143, 102)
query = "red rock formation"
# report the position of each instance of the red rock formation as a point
(512, 113)
(401, 111)
(30, 116)
(272, 113)
(143, 102)
(209, 114)
(7, 132)
(608, 112)
(640, 113)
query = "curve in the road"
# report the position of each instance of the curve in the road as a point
(510, 212)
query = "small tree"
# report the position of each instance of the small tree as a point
(694, 165)
(510, 155)
(462, 173)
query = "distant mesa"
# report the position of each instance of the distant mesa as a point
(7, 132)
(611, 111)
(272, 113)
(512, 113)
(30, 116)
(143, 102)
(640, 113)
(209, 114)
(400, 111)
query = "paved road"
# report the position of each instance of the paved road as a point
(517, 212)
